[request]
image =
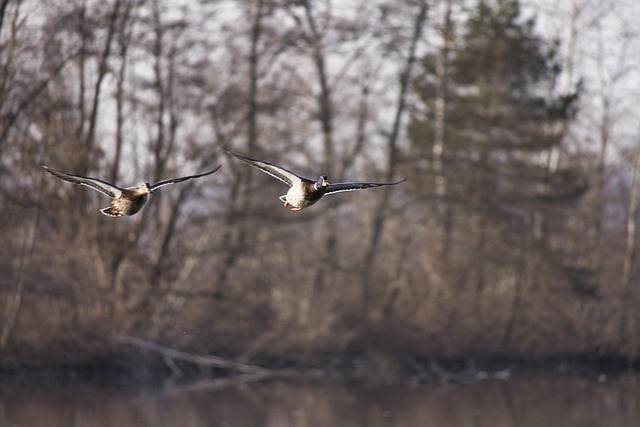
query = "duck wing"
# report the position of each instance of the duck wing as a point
(275, 171)
(351, 186)
(170, 181)
(104, 187)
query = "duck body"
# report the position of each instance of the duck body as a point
(129, 203)
(304, 193)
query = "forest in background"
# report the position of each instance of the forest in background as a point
(514, 123)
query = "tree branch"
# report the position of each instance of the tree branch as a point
(209, 361)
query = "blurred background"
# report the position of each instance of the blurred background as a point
(515, 124)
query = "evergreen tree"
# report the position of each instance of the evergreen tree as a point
(500, 116)
(487, 142)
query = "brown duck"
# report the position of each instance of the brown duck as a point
(304, 192)
(126, 201)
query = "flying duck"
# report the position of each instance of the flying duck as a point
(126, 201)
(305, 192)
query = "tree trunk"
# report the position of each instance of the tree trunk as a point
(440, 123)
(21, 268)
(103, 68)
(124, 39)
(234, 236)
(377, 226)
(628, 327)
(325, 116)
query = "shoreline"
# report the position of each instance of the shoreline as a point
(153, 369)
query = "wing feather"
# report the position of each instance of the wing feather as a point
(104, 187)
(351, 186)
(170, 181)
(275, 171)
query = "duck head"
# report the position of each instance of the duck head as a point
(321, 183)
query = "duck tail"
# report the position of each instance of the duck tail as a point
(110, 212)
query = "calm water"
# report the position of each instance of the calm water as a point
(544, 402)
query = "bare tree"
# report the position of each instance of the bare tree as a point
(235, 231)
(124, 40)
(628, 294)
(18, 280)
(392, 153)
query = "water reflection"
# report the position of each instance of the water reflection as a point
(565, 402)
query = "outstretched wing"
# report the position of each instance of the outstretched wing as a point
(275, 171)
(350, 186)
(169, 181)
(97, 184)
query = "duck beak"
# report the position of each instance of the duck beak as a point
(325, 181)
